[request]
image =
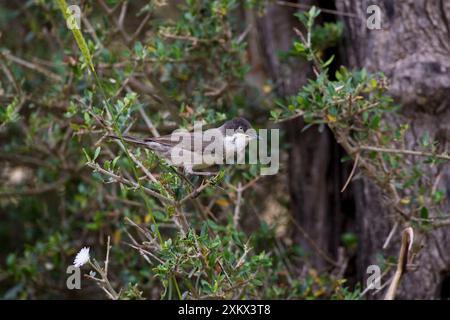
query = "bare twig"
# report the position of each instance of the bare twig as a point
(141, 26)
(148, 122)
(404, 151)
(295, 116)
(352, 173)
(32, 66)
(307, 7)
(441, 223)
(244, 34)
(107, 254)
(405, 249)
(237, 208)
(197, 191)
(391, 234)
(140, 165)
(242, 258)
(192, 39)
(130, 183)
(313, 244)
(217, 91)
(372, 284)
(39, 190)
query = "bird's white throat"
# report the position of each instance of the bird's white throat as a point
(235, 144)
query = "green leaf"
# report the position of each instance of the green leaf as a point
(365, 116)
(426, 140)
(299, 48)
(375, 122)
(88, 158)
(438, 196)
(107, 165)
(213, 225)
(139, 49)
(328, 62)
(350, 240)
(97, 152)
(275, 114)
(424, 213)
(313, 12)
(114, 162)
(87, 118)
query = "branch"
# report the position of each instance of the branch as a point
(404, 151)
(197, 191)
(407, 241)
(129, 183)
(352, 173)
(39, 190)
(441, 223)
(107, 254)
(237, 208)
(307, 7)
(32, 66)
(313, 244)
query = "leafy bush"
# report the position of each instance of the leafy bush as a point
(166, 235)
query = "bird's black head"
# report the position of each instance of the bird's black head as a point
(237, 124)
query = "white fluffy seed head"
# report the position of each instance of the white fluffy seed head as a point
(82, 257)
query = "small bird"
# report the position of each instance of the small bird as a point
(233, 137)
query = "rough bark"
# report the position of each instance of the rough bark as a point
(413, 50)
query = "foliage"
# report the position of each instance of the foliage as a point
(67, 186)
(355, 106)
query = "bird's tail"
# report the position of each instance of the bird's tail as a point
(130, 139)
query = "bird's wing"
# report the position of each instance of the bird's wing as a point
(170, 140)
(186, 140)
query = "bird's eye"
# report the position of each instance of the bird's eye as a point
(240, 128)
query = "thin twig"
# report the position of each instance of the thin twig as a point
(148, 122)
(352, 173)
(39, 190)
(140, 165)
(130, 183)
(307, 7)
(441, 223)
(405, 248)
(242, 258)
(32, 66)
(237, 208)
(107, 255)
(295, 116)
(197, 191)
(372, 284)
(404, 151)
(391, 234)
(141, 26)
(313, 244)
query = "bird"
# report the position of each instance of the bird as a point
(181, 147)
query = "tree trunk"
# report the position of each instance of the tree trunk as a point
(412, 49)
(315, 171)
